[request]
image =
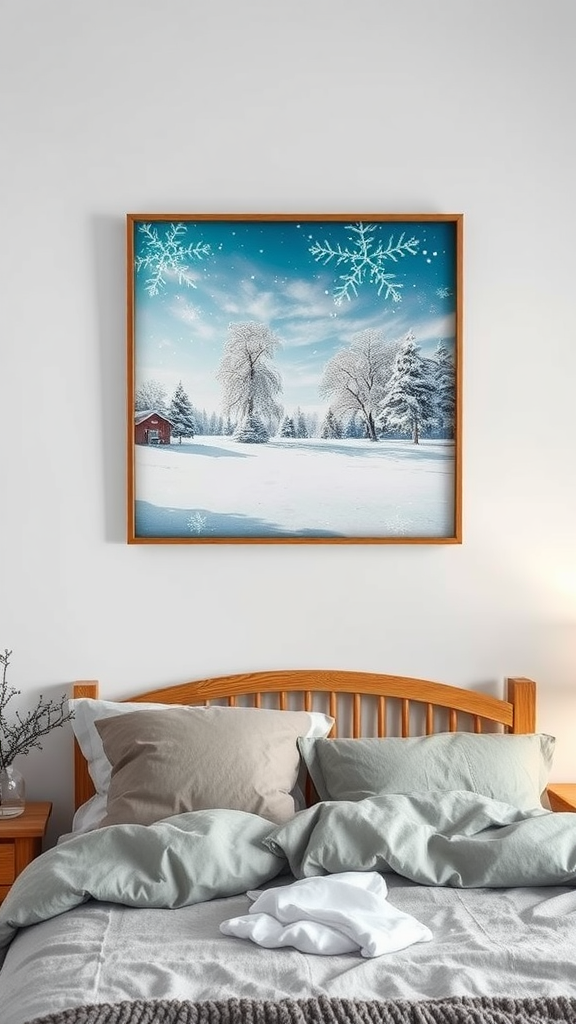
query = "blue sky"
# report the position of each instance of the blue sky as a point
(264, 271)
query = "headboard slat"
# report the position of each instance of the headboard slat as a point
(381, 717)
(356, 715)
(405, 727)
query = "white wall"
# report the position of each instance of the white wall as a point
(295, 106)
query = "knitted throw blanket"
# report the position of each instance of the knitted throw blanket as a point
(481, 1010)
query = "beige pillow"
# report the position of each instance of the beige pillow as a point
(182, 759)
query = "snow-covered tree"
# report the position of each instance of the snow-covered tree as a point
(331, 427)
(409, 400)
(355, 378)
(252, 431)
(151, 395)
(214, 424)
(249, 383)
(354, 428)
(287, 428)
(181, 415)
(200, 420)
(300, 423)
(444, 385)
(311, 420)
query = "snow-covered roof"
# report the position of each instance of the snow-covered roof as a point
(144, 414)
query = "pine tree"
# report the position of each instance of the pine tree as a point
(311, 420)
(354, 428)
(199, 420)
(181, 415)
(301, 428)
(444, 385)
(251, 430)
(287, 428)
(409, 399)
(331, 427)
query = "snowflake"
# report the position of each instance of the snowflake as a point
(167, 255)
(395, 524)
(196, 522)
(366, 259)
(443, 293)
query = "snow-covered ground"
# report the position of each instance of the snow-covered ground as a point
(214, 487)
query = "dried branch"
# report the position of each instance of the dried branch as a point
(25, 731)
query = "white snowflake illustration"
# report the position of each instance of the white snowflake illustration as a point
(366, 259)
(443, 293)
(196, 522)
(165, 255)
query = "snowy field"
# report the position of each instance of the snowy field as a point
(213, 487)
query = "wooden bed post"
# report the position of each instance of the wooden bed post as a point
(83, 787)
(522, 695)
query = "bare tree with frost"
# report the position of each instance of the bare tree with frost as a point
(250, 384)
(409, 400)
(152, 395)
(355, 378)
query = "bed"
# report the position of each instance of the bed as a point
(435, 792)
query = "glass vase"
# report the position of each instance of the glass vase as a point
(12, 792)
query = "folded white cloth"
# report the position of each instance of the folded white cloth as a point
(341, 913)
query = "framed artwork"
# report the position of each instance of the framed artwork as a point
(294, 378)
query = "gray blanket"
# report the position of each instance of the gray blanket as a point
(324, 1011)
(192, 857)
(455, 838)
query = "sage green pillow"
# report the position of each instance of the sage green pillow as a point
(510, 768)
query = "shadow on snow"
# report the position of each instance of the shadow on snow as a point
(390, 450)
(205, 449)
(198, 523)
(393, 449)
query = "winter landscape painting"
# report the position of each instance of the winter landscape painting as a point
(294, 378)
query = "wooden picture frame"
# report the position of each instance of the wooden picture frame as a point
(294, 378)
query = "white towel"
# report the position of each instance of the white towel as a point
(340, 913)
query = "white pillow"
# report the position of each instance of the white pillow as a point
(88, 710)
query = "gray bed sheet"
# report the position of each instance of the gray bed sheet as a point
(501, 942)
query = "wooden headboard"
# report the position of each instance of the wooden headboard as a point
(362, 704)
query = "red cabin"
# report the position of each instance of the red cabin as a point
(151, 428)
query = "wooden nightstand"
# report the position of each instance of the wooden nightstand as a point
(21, 842)
(562, 796)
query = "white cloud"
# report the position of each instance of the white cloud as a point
(436, 328)
(184, 310)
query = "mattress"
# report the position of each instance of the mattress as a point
(513, 942)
